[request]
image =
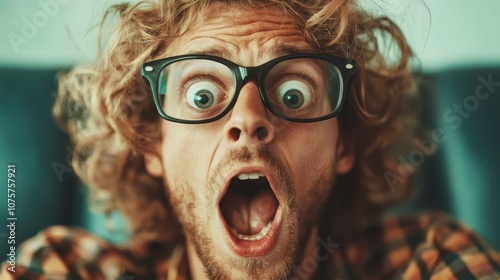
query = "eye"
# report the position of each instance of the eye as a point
(202, 95)
(293, 94)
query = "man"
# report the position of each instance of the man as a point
(259, 151)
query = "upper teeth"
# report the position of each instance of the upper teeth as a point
(253, 176)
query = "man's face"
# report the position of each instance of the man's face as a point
(249, 188)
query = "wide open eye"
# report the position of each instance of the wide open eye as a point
(293, 94)
(203, 95)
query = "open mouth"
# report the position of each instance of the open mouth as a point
(251, 214)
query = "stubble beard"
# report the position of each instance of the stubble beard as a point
(299, 219)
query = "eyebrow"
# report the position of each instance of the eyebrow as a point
(275, 51)
(217, 50)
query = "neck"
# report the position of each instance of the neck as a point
(195, 265)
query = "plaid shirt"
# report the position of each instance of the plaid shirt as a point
(424, 247)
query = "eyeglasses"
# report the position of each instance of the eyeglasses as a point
(196, 89)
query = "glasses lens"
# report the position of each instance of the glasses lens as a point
(195, 89)
(304, 88)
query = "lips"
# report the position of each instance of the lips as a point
(250, 213)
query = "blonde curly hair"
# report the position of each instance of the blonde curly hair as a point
(109, 114)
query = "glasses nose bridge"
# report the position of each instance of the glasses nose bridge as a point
(250, 73)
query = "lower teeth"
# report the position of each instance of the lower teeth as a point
(255, 237)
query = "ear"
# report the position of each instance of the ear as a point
(153, 162)
(345, 157)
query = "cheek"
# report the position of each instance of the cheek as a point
(311, 154)
(186, 154)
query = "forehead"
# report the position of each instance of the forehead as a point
(245, 35)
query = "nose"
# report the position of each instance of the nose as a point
(249, 121)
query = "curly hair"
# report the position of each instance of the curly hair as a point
(107, 110)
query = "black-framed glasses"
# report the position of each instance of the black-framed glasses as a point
(197, 89)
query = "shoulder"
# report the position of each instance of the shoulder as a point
(428, 246)
(67, 253)
(451, 250)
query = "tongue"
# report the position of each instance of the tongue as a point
(246, 215)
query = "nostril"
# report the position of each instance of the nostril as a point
(235, 133)
(262, 133)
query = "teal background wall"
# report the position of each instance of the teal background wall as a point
(447, 34)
